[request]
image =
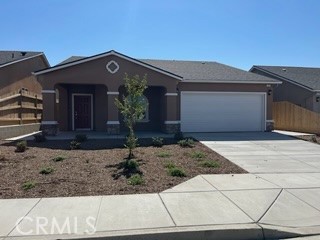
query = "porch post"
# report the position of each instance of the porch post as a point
(172, 119)
(49, 125)
(113, 124)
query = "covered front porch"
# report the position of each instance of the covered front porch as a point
(81, 96)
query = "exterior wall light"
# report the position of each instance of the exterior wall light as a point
(269, 92)
(317, 99)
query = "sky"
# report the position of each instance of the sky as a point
(240, 33)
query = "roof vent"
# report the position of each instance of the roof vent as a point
(23, 53)
(283, 69)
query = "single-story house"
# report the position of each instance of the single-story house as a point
(191, 96)
(300, 85)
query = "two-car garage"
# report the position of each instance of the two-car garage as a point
(222, 111)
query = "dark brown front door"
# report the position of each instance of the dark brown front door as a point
(82, 112)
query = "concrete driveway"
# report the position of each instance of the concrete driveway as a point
(261, 152)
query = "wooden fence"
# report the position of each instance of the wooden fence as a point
(288, 116)
(21, 107)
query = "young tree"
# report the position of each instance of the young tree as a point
(132, 107)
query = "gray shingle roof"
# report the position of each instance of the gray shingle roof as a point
(306, 76)
(202, 71)
(12, 56)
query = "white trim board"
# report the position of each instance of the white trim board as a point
(72, 105)
(112, 52)
(230, 82)
(48, 91)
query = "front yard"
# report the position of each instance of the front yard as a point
(51, 169)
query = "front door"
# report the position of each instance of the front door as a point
(82, 113)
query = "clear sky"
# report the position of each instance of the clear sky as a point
(238, 32)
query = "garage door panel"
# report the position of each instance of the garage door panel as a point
(222, 112)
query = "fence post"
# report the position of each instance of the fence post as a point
(20, 108)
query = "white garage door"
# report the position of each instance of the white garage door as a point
(222, 111)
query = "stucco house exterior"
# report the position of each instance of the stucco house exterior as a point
(191, 96)
(16, 69)
(300, 85)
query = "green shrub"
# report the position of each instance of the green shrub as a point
(39, 138)
(198, 155)
(135, 180)
(163, 154)
(46, 170)
(176, 172)
(209, 164)
(28, 185)
(58, 159)
(178, 136)
(75, 145)
(188, 142)
(169, 165)
(131, 164)
(81, 138)
(21, 146)
(157, 141)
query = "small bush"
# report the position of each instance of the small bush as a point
(178, 136)
(163, 154)
(58, 159)
(28, 185)
(46, 170)
(198, 155)
(40, 138)
(21, 146)
(75, 145)
(157, 141)
(209, 164)
(81, 138)
(135, 180)
(169, 165)
(314, 139)
(176, 172)
(186, 143)
(131, 165)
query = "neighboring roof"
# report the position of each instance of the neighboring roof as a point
(305, 76)
(9, 57)
(192, 71)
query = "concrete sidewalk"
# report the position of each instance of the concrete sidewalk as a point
(241, 206)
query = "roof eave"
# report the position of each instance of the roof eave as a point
(24, 59)
(233, 81)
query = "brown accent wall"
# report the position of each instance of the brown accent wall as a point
(18, 75)
(229, 87)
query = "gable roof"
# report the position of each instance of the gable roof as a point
(10, 57)
(303, 76)
(71, 62)
(189, 71)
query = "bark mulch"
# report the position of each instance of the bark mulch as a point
(94, 170)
